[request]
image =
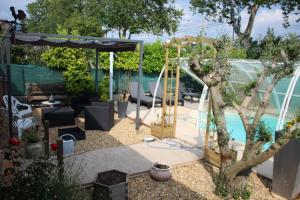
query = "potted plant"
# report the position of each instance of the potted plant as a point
(33, 146)
(122, 104)
(122, 101)
(100, 115)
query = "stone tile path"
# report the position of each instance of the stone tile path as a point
(132, 159)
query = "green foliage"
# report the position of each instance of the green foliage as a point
(31, 136)
(40, 180)
(263, 133)
(122, 60)
(253, 52)
(46, 16)
(241, 194)
(230, 12)
(238, 53)
(128, 61)
(135, 16)
(104, 89)
(153, 57)
(221, 189)
(78, 79)
(220, 185)
(74, 64)
(248, 87)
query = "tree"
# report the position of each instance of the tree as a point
(46, 15)
(215, 72)
(229, 11)
(135, 16)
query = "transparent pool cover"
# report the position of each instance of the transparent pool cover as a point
(245, 71)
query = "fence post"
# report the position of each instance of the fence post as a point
(60, 158)
(46, 139)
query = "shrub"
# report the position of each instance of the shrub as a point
(40, 180)
(104, 89)
(73, 63)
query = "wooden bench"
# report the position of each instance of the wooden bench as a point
(40, 92)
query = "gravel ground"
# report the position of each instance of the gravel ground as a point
(123, 133)
(190, 181)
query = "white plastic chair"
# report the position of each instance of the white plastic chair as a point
(21, 123)
(68, 145)
(17, 105)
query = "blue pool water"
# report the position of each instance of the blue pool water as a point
(236, 128)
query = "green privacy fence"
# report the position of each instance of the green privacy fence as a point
(22, 74)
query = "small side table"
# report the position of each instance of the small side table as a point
(51, 104)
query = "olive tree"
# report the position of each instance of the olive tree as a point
(278, 60)
(229, 11)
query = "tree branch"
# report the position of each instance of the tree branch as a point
(239, 166)
(253, 92)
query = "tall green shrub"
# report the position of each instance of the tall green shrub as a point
(74, 65)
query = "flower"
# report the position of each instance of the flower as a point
(14, 141)
(53, 146)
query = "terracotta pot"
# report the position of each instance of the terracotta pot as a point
(33, 150)
(160, 172)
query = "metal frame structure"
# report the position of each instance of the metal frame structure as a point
(98, 43)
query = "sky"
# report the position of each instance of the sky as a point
(192, 24)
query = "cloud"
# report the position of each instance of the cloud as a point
(270, 18)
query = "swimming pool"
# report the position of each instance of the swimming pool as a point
(236, 129)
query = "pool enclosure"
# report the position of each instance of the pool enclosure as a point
(285, 99)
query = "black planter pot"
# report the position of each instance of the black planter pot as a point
(286, 171)
(122, 108)
(99, 116)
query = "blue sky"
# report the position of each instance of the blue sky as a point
(191, 23)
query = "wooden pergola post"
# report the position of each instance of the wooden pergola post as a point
(176, 87)
(165, 88)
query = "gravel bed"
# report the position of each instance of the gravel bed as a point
(123, 133)
(190, 181)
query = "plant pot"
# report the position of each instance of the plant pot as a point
(99, 116)
(122, 108)
(33, 150)
(160, 172)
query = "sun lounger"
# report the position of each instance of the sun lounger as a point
(188, 92)
(145, 100)
(160, 94)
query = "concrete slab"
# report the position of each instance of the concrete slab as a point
(132, 159)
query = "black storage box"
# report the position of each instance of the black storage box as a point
(111, 185)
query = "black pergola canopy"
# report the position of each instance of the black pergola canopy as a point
(100, 44)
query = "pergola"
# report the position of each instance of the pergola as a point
(98, 43)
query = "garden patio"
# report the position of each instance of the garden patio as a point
(121, 146)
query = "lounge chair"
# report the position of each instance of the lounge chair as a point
(188, 92)
(160, 94)
(145, 100)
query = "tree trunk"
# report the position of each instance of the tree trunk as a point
(244, 38)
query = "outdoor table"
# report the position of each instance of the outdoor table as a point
(51, 104)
